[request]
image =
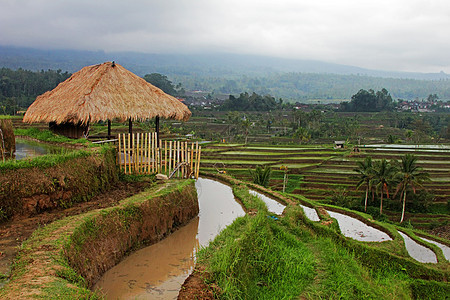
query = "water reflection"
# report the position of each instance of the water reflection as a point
(310, 213)
(445, 248)
(417, 251)
(357, 230)
(272, 205)
(29, 149)
(158, 271)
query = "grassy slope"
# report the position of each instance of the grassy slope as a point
(258, 257)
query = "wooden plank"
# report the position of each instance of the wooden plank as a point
(129, 153)
(165, 156)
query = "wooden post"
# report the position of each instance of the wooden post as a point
(138, 153)
(157, 127)
(109, 129)
(130, 126)
(129, 153)
(178, 157)
(119, 158)
(165, 157)
(198, 162)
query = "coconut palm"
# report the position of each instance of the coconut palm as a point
(366, 176)
(384, 173)
(410, 177)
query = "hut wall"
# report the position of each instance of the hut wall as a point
(70, 130)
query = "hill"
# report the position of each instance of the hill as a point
(295, 80)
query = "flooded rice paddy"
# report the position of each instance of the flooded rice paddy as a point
(357, 230)
(417, 251)
(272, 205)
(445, 248)
(158, 271)
(29, 149)
(310, 213)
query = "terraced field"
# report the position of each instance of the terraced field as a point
(318, 172)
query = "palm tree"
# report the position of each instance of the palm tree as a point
(410, 177)
(366, 175)
(261, 176)
(383, 175)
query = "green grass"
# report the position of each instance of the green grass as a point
(43, 161)
(47, 136)
(261, 258)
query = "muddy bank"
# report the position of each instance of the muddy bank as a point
(15, 231)
(32, 190)
(69, 255)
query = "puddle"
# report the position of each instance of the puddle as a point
(272, 205)
(158, 271)
(310, 213)
(357, 230)
(445, 248)
(417, 251)
(29, 149)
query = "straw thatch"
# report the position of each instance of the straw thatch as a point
(104, 92)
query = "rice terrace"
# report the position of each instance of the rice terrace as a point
(114, 187)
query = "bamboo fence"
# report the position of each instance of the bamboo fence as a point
(143, 153)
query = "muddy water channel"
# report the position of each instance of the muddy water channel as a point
(158, 271)
(357, 230)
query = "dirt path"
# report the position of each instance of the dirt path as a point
(13, 233)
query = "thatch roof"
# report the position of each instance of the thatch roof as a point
(104, 92)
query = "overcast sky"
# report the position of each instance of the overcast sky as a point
(400, 35)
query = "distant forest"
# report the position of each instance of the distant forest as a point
(18, 89)
(225, 74)
(301, 86)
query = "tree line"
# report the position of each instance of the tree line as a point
(19, 88)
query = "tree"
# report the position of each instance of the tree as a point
(366, 175)
(245, 123)
(410, 177)
(261, 176)
(369, 101)
(383, 176)
(162, 82)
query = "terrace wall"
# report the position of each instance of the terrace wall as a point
(31, 190)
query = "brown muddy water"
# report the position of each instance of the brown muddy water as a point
(158, 271)
(357, 230)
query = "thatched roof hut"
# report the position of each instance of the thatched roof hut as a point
(104, 92)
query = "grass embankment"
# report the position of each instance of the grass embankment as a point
(259, 257)
(55, 180)
(64, 258)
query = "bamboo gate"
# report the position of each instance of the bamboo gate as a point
(143, 153)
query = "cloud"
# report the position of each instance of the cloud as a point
(382, 34)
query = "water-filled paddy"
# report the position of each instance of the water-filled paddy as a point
(445, 248)
(417, 251)
(310, 213)
(28, 149)
(272, 205)
(357, 230)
